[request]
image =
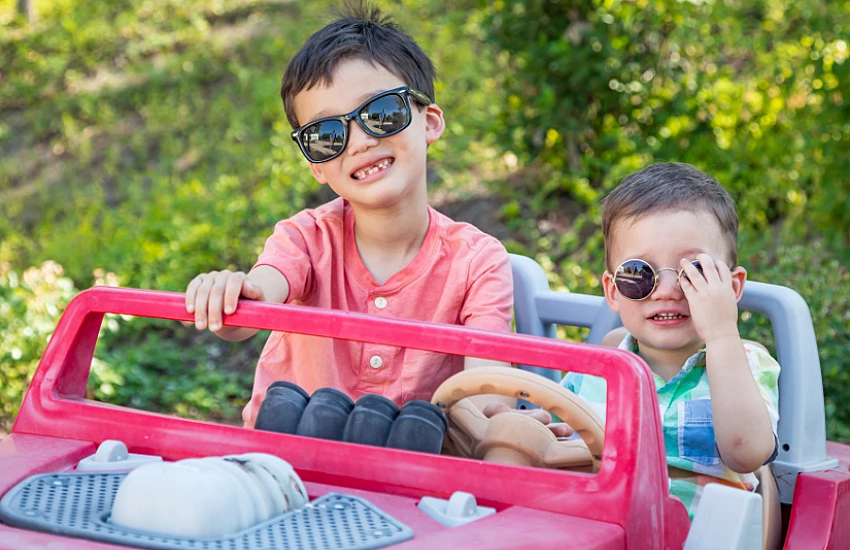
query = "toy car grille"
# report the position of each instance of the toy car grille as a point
(78, 505)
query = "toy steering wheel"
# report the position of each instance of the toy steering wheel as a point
(514, 438)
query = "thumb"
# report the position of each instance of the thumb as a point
(252, 291)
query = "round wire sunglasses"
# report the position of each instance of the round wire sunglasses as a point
(383, 115)
(636, 280)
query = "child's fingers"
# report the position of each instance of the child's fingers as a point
(687, 288)
(723, 272)
(232, 290)
(202, 300)
(491, 409)
(191, 291)
(216, 300)
(561, 429)
(709, 269)
(692, 276)
(252, 291)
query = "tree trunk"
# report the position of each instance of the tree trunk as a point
(26, 9)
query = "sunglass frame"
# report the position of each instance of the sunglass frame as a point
(655, 275)
(404, 92)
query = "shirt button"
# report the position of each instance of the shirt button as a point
(375, 362)
(380, 302)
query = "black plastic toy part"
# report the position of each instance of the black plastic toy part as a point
(374, 420)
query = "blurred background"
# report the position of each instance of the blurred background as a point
(144, 141)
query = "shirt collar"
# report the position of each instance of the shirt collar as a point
(697, 360)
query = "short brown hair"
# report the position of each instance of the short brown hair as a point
(670, 186)
(361, 32)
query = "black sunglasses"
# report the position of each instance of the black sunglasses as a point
(383, 115)
(636, 280)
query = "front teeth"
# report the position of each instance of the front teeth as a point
(667, 316)
(360, 174)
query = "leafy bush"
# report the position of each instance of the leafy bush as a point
(30, 305)
(755, 93)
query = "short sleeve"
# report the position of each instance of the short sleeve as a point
(287, 250)
(765, 371)
(489, 295)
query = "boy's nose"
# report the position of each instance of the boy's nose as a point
(667, 287)
(358, 140)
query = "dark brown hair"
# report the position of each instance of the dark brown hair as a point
(361, 32)
(670, 186)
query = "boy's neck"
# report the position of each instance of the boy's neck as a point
(666, 363)
(388, 240)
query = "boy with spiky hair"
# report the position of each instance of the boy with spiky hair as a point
(360, 97)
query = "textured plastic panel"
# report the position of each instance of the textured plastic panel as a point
(78, 505)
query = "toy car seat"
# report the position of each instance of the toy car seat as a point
(802, 426)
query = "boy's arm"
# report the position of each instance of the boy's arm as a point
(742, 425)
(488, 303)
(211, 294)
(613, 338)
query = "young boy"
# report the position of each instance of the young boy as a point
(359, 94)
(671, 236)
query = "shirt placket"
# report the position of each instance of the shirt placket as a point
(377, 358)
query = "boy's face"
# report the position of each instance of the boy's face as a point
(663, 239)
(373, 173)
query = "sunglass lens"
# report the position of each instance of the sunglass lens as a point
(323, 140)
(386, 115)
(635, 279)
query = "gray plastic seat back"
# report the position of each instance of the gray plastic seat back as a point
(802, 426)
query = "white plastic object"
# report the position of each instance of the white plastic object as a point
(283, 473)
(461, 508)
(207, 497)
(726, 518)
(181, 500)
(112, 455)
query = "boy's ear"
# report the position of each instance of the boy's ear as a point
(318, 173)
(739, 277)
(435, 125)
(611, 294)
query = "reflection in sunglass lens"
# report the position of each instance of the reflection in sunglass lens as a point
(635, 279)
(385, 115)
(323, 139)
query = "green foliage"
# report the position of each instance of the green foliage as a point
(825, 283)
(30, 305)
(157, 366)
(756, 93)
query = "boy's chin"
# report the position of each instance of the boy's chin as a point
(673, 343)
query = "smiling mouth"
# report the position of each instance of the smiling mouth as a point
(668, 316)
(369, 170)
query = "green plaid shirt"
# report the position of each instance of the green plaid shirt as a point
(685, 404)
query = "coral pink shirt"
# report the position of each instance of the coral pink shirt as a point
(460, 276)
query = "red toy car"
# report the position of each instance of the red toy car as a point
(625, 504)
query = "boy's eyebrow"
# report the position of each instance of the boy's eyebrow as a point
(360, 100)
(692, 252)
(689, 254)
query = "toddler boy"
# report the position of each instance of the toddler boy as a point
(671, 235)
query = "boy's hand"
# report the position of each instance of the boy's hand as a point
(559, 429)
(210, 294)
(711, 298)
